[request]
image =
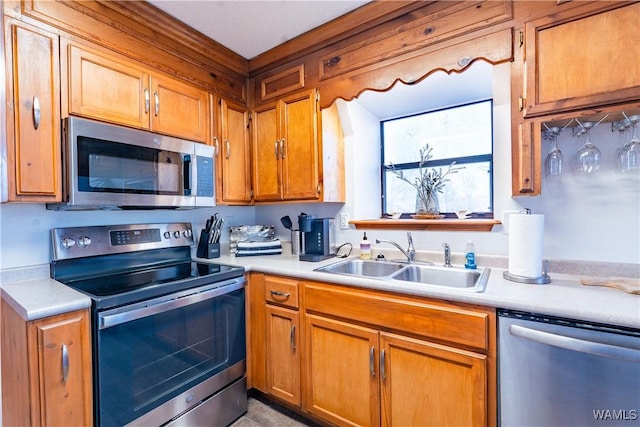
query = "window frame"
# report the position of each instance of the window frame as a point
(439, 162)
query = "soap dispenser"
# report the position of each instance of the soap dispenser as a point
(365, 248)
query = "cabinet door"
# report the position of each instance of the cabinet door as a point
(234, 153)
(300, 154)
(266, 150)
(341, 372)
(107, 88)
(283, 354)
(64, 368)
(582, 62)
(33, 119)
(428, 384)
(179, 109)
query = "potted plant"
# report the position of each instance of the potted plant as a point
(428, 184)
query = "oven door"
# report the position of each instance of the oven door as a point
(158, 358)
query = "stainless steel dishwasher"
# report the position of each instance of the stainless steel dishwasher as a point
(561, 372)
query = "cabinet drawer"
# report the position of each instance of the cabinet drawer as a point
(433, 319)
(281, 291)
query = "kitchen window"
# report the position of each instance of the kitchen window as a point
(462, 134)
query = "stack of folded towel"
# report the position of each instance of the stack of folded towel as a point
(269, 247)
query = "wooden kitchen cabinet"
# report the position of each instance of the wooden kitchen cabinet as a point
(46, 370)
(582, 57)
(377, 359)
(233, 151)
(286, 150)
(33, 113)
(111, 88)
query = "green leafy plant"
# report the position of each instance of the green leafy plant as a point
(428, 183)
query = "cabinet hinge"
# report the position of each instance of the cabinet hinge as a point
(520, 38)
(317, 96)
(520, 103)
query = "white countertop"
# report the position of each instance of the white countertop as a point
(38, 297)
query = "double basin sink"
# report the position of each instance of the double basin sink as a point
(451, 277)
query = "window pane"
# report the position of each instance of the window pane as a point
(455, 132)
(468, 188)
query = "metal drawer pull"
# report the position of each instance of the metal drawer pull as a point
(280, 294)
(147, 100)
(383, 374)
(576, 344)
(157, 101)
(372, 354)
(36, 112)
(65, 363)
(292, 337)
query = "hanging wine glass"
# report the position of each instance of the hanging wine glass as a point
(630, 152)
(621, 153)
(587, 158)
(553, 162)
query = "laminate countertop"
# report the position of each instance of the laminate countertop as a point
(35, 295)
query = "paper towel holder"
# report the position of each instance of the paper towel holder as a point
(542, 280)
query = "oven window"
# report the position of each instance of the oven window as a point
(105, 166)
(148, 361)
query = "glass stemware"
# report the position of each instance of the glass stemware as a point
(587, 158)
(553, 162)
(621, 152)
(630, 152)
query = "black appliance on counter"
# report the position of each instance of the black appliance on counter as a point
(316, 235)
(168, 333)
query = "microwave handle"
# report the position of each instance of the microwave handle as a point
(187, 174)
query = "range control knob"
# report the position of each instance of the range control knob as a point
(84, 241)
(167, 234)
(68, 242)
(186, 233)
(176, 234)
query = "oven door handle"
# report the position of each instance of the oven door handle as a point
(162, 304)
(576, 344)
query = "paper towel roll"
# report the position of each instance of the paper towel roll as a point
(526, 238)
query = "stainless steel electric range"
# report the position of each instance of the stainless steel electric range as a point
(168, 333)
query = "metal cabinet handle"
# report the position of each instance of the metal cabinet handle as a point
(372, 368)
(276, 150)
(147, 100)
(383, 373)
(65, 363)
(156, 99)
(280, 294)
(217, 146)
(282, 148)
(292, 337)
(36, 112)
(226, 141)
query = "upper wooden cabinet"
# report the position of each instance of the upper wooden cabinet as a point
(233, 150)
(582, 58)
(286, 149)
(33, 113)
(111, 88)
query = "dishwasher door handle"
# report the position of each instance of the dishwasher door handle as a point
(576, 344)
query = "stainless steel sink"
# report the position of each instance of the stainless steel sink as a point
(452, 277)
(359, 267)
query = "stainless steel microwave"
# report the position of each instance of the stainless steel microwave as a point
(113, 167)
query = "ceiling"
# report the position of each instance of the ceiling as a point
(252, 27)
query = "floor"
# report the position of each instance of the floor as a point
(262, 413)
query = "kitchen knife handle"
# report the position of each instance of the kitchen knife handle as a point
(292, 338)
(36, 112)
(65, 363)
(156, 99)
(372, 357)
(147, 100)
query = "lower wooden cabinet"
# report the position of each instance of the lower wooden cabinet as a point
(356, 357)
(46, 370)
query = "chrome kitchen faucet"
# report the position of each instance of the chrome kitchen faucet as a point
(410, 253)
